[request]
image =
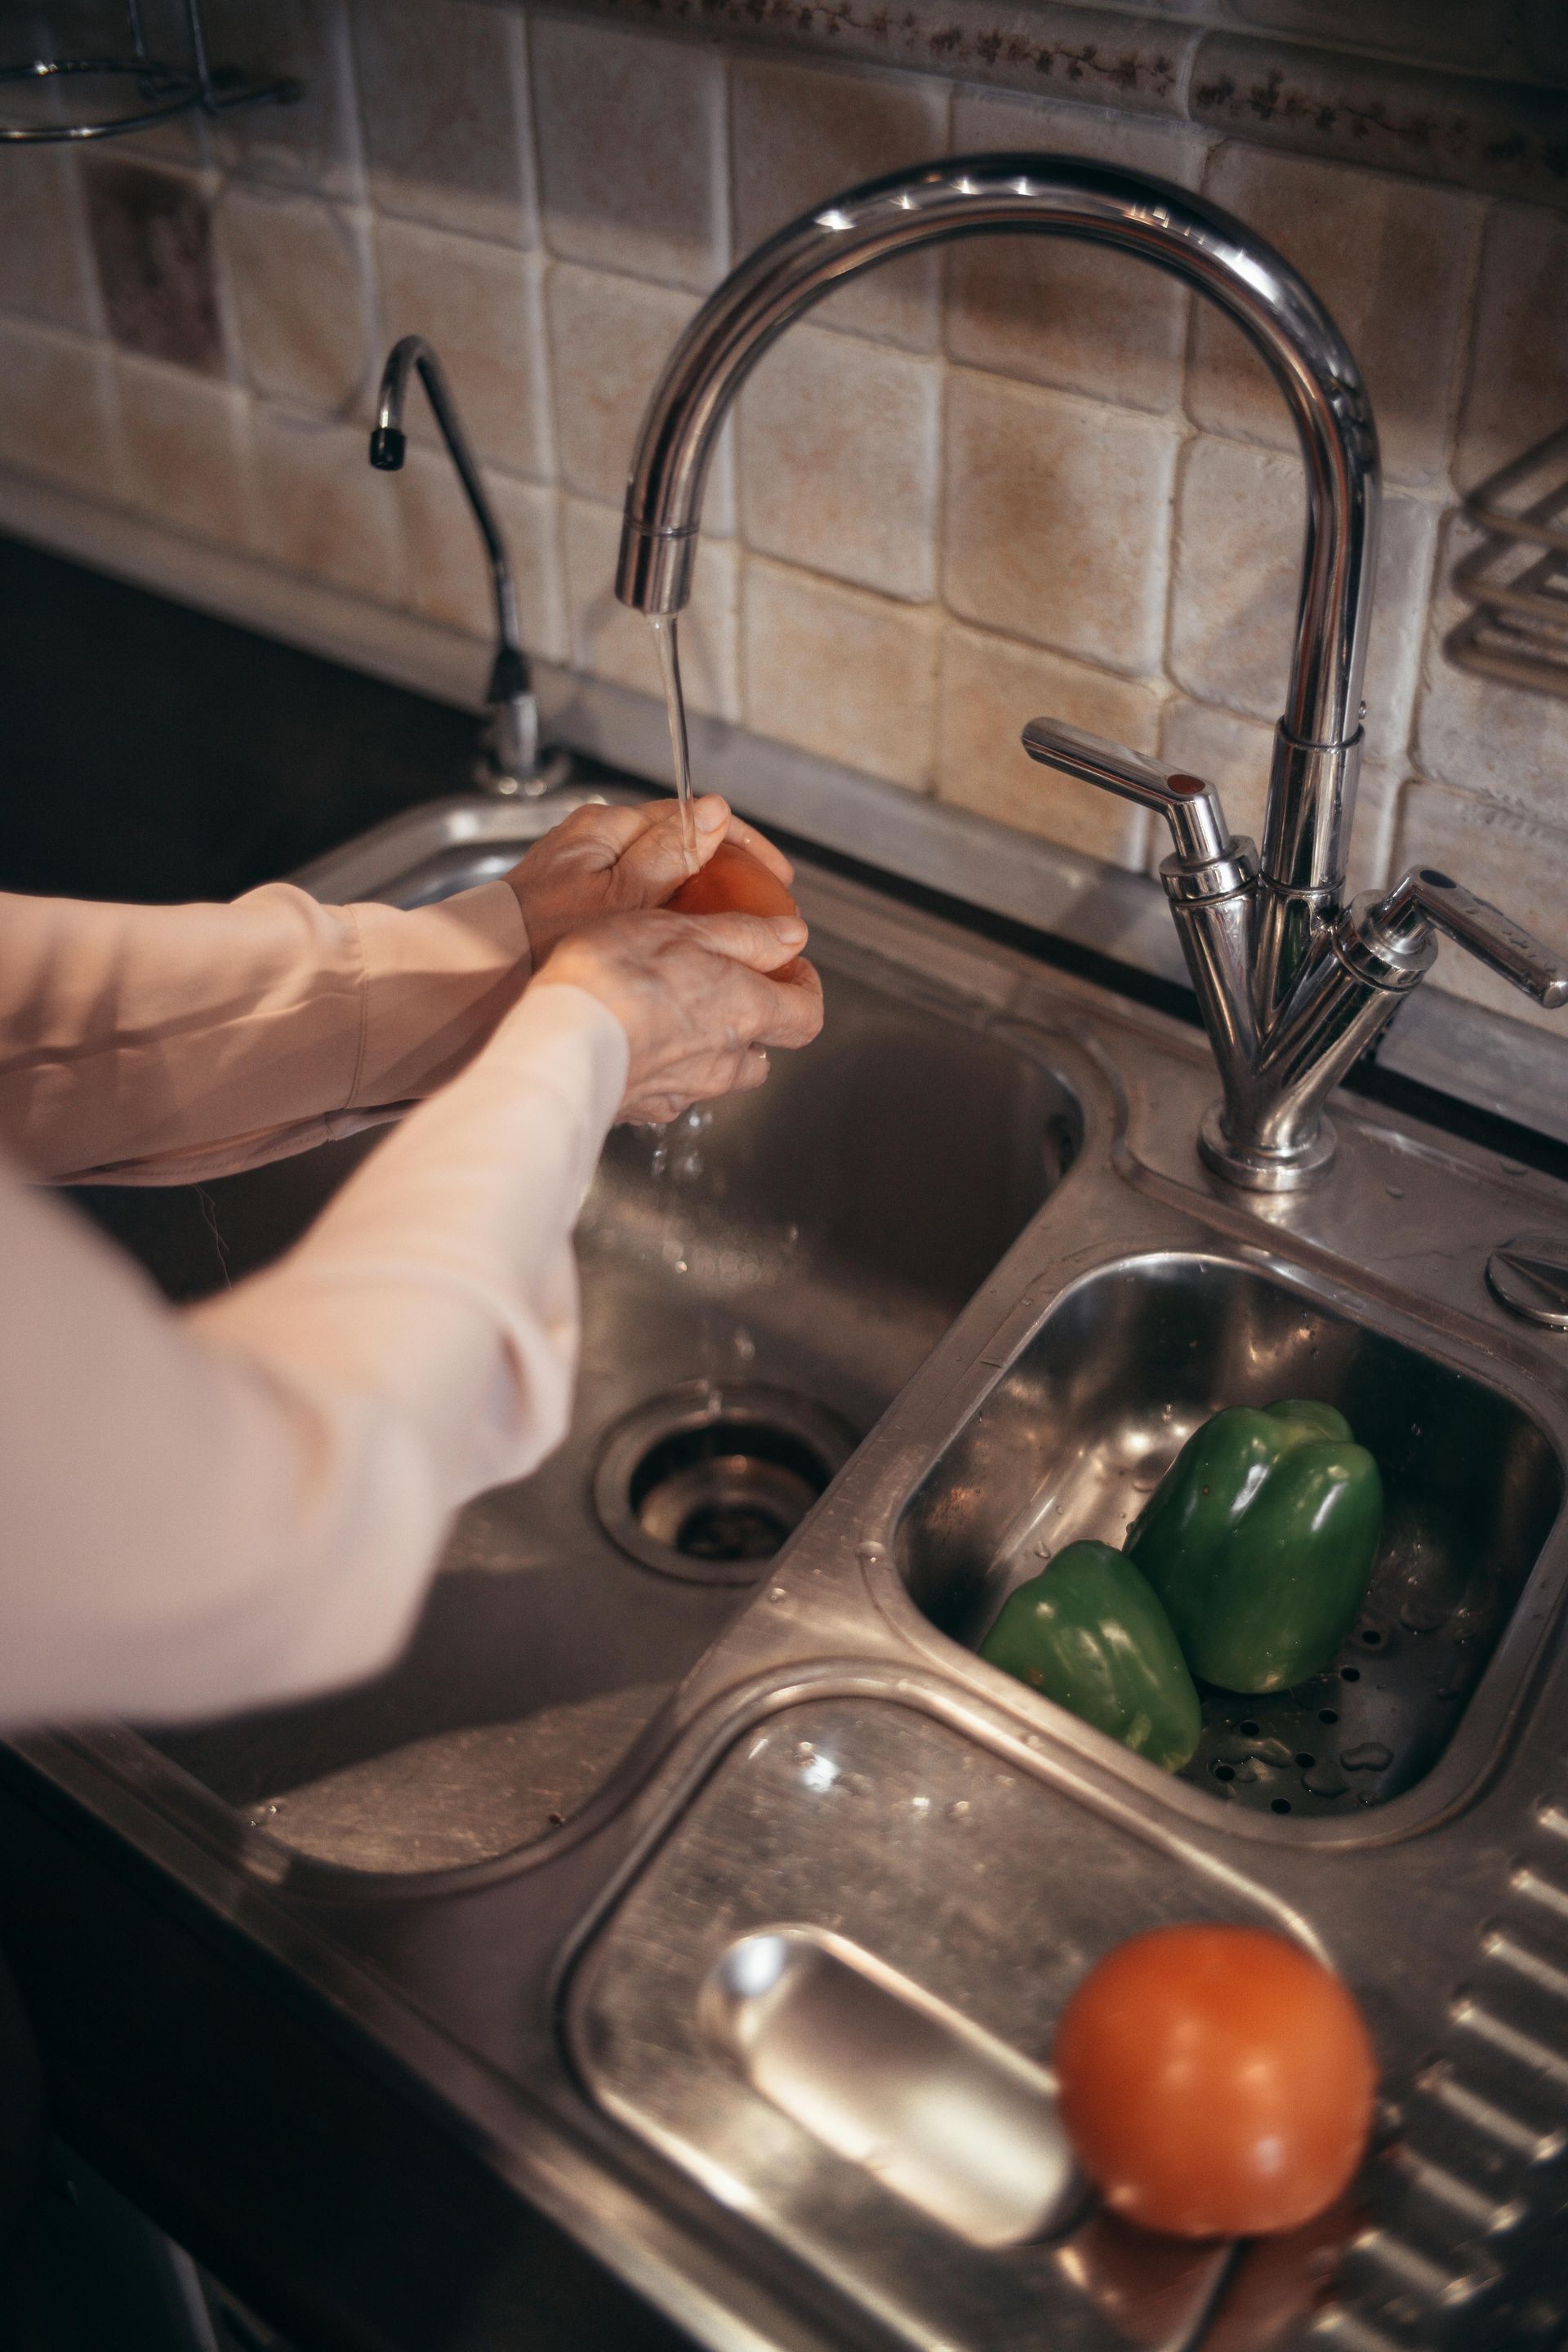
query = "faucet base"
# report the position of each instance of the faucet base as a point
(1257, 1170)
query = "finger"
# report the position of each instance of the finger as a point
(791, 1017)
(610, 829)
(746, 837)
(761, 942)
(654, 865)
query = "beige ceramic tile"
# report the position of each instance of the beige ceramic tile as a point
(1057, 520)
(313, 143)
(1392, 260)
(1237, 576)
(609, 338)
(800, 134)
(988, 688)
(296, 272)
(630, 131)
(609, 642)
(839, 461)
(848, 675)
(1061, 313)
(444, 106)
(1236, 755)
(447, 573)
(324, 511)
(1517, 862)
(59, 416)
(46, 258)
(189, 458)
(1477, 733)
(1517, 388)
(479, 304)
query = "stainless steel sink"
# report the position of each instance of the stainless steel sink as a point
(764, 1276)
(681, 1873)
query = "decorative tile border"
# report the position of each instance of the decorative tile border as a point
(1502, 138)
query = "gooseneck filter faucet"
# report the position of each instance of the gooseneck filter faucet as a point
(1260, 936)
(511, 762)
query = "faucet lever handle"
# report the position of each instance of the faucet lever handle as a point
(1424, 900)
(1190, 808)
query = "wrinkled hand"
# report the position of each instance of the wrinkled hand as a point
(692, 995)
(621, 861)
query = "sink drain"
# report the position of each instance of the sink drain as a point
(707, 1485)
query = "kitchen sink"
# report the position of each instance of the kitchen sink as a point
(759, 1282)
(1127, 1364)
(690, 1844)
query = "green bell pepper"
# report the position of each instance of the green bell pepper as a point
(1259, 1539)
(1089, 1633)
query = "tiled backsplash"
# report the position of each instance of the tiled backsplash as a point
(1018, 476)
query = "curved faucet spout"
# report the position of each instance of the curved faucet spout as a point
(1312, 798)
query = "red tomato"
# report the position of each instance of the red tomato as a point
(1217, 2082)
(733, 882)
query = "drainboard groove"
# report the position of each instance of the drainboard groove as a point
(1529, 2142)
(1341, 2326)
(1506, 1949)
(1418, 2273)
(1535, 1888)
(1446, 2188)
(1473, 2017)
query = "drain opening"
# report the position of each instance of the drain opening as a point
(730, 1491)
(708, 1485)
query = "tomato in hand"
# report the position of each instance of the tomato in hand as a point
(733, 882)
(1217, 2082)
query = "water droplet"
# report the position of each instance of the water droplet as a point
(778, 1592)
(1394, 1191)
(1367, 1756)
(958, 1810)
(919, 1804)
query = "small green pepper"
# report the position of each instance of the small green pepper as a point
(1259, 1539)
(1089, 1633)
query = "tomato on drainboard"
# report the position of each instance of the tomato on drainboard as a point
(1215, 2082)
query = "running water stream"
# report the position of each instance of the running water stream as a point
(664, 637)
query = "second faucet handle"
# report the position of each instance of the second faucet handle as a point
(1399, 927)
(1190, 808)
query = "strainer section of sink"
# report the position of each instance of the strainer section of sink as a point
(707, 1484)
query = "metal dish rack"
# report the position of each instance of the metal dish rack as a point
(1517, 578)
(153, 90)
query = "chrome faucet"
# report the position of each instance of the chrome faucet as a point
(508, 761)
(1293, 985)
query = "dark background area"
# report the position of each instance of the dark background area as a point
(152, 752)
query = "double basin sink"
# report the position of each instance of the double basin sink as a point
(861, 1351)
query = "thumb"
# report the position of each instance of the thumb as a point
(653, 866)
(762, 942)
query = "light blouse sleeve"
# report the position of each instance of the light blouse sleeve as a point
(244, 1502)
(163, 1045)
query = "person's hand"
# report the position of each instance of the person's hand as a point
(691, 991)
(621, 861)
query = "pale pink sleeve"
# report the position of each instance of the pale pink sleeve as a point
(160, 1045)
(244, 1502)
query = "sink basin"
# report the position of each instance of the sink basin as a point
(759, 1282)
(1128, 1361)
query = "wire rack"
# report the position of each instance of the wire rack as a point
(1517, 578)
(104, 97)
